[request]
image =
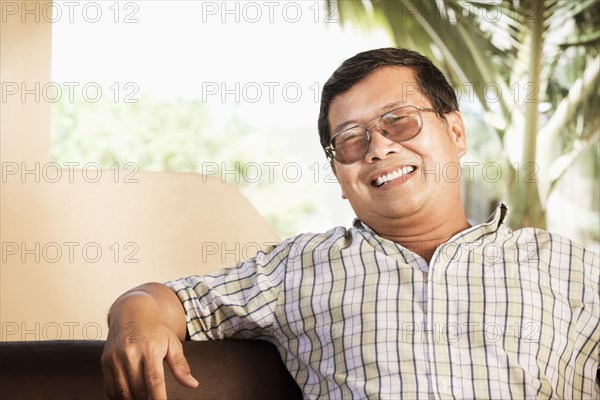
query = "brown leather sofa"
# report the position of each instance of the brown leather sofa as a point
(63, 370)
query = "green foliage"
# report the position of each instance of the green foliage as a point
(178, 136)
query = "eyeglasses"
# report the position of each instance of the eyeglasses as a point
(398, 125)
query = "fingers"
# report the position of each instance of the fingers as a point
(122, 388)
(134, 373)
(135, 370)
(154, 379)
(179, 365)
(116, 383)
(135, 377)
(109, 381)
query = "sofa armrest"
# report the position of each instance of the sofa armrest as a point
(242, 369)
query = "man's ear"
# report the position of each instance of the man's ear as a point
(334, 169)
(457, 132)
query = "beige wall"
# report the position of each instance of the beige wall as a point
(73, 240)
(24, 59)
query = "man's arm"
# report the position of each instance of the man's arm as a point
(147, 325)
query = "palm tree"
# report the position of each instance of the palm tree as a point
(540, 55)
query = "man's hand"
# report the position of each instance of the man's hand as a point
(147, 325)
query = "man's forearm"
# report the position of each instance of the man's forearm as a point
(147, 302)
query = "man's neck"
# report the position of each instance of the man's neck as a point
(424, 236)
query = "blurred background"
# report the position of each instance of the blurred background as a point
(231, 89)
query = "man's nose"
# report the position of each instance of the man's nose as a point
(380, 146)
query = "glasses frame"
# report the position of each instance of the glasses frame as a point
(330, 150)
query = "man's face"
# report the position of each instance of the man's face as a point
(434, 153)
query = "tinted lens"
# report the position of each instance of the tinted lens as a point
(401, 125)
(351, 145)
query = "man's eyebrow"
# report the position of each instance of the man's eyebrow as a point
(349, 124)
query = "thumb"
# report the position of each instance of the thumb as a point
(179, 365)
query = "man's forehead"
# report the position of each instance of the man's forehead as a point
(382, 90)
(404, 79)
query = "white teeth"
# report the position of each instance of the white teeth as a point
(394, 175)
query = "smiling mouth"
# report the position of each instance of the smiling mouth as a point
(400, 172)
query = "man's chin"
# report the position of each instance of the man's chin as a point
(390, 215)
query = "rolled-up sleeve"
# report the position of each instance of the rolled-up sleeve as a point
(237, 302)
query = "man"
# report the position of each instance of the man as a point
(411, 301)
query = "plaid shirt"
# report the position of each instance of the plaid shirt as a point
(496, 314)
